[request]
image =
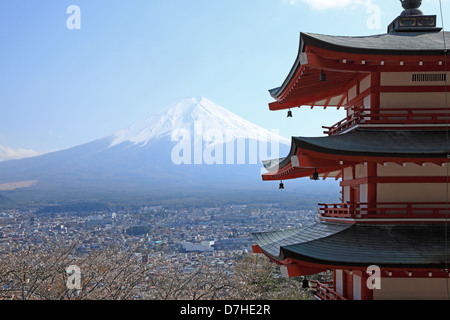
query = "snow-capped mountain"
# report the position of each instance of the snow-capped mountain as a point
(192, 144)
(184, 115)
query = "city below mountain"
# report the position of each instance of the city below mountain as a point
(191, 149)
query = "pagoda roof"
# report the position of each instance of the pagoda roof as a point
(380, 143)
(334, 244)
(346, 59)
(397, 43)
(332, 153)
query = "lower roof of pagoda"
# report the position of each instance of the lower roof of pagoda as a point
(332, 153)
(332, 244)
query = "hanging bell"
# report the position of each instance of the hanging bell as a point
(289, 115)
(315, 175)
(305, 284)
(323, 77)
(281, 185)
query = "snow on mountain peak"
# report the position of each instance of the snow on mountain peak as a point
(195, 113)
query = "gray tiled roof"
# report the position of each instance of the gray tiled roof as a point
(381, 143)
(414, 246)
(405, 43)
(415, 144)
(271, 242)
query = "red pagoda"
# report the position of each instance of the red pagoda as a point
(391, 155)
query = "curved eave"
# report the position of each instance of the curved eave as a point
(320, 52)
(329, 155)
(289, 173)
(306, 89)
(276, 92)
(294, 167)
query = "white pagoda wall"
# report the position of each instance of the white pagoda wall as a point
(405, 79)
(411, 192)
(346, 194)
(353, 91)
(411, 289)
(360, 172)
(411, 170)
(400, 99)
(400, 192)
(348, 175)
(410, 99)
(364, 84)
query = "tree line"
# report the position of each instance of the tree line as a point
(40, 273)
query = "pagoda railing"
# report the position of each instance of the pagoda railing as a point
(391, 116)
(325, 291)
(349, 122)
(386, 210)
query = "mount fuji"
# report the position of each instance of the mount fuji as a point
(192, 147)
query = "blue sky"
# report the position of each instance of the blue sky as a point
(60, 88)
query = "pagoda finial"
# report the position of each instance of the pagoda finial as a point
(412, 19)
(411, 7)
(411, 4)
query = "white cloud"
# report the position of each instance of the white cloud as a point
(373, 11)
(328, 4)
(7, 153)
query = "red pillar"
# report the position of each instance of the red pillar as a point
(349, 284)
(366, 293)
(375, 96)
(372, 186)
